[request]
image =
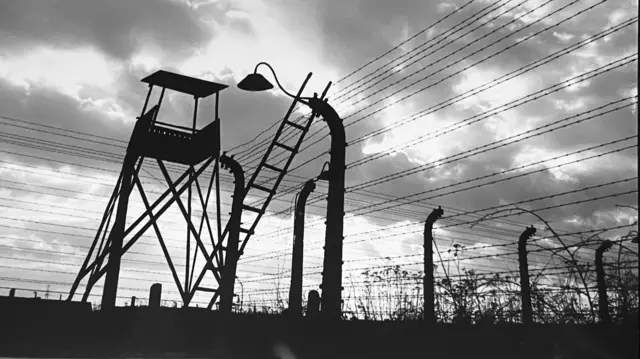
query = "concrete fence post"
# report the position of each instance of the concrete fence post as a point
(525, 286)
(603, 300)
(429, 294)
(313, 304)
(155, 295)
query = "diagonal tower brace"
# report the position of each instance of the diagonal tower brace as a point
(163, 142)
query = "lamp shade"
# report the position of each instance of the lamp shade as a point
(324, 176)
(255, 82)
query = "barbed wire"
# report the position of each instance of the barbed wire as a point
(371, 208)
(519, 41)
(482, 247)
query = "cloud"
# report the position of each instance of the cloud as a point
(67, 71)
(77, 65)
(563, 36)
(504, 92)
(116, 27)
(236, 50)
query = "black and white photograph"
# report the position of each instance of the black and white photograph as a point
(302, 179)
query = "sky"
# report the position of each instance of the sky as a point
(437, 106)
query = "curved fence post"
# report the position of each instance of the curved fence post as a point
(231, 261)
(295, 290)
(603, 302)
(525, 287)
(429, 294)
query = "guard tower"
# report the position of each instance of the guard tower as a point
(180, 148)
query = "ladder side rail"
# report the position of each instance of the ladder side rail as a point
(297, 147)
(278, 133)
(271, 145)
(224, 233)
(304, 129)
(280, 176)
(264, 159)
(265, 204)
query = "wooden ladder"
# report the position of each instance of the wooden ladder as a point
(260, 190)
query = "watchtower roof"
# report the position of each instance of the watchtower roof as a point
(185, 84)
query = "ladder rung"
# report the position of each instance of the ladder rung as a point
(273, 168)
(293, 124)
(205, 289)
(265, 189)
(284, 146)
(252, 209)
(244, 230)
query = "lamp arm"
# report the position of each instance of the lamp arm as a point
(323, 166)
(274, 76)
(313, 102)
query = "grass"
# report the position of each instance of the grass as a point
(563, 290)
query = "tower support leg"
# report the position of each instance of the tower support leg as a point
(116, 237)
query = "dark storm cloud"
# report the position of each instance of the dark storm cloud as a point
(115, 26)
(48, 107)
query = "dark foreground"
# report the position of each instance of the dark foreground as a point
(62, 330)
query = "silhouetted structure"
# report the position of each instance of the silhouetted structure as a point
(229, 271)
(182, 145)
(155, 295)
(603, 302)
(428, 283)
(259, 208)
(297, 256)
(313, 304)
(525, 290)
(332, 266)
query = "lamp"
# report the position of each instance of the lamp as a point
(324, 174)
(332, 273)
(256, 82)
